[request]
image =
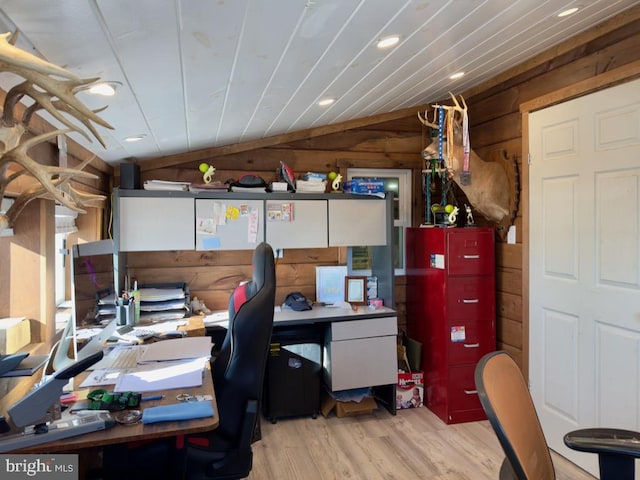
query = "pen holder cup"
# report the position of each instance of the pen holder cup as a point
(125, 314)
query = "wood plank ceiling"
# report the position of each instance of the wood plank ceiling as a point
(202, 73)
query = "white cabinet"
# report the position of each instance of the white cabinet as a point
(155, 223)
(296, 223)
(355, 222)
(361, 353)
(151, 221)
(229, 224)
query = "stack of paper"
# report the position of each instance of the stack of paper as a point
(159, 304)
(311, 186)
(177, 363)
(209, 187)
(166, 185)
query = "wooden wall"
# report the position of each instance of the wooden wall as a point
(394, 141)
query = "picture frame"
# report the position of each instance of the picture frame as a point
(355, 290)
(330, 284)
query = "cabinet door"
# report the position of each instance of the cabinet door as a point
(357, 222)
(155, 223)
(296, 223)
(229, 224)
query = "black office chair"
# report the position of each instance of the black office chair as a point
(238, 374)
(507, 402)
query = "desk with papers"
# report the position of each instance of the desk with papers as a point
(160, 374)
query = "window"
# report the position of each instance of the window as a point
(397, 182)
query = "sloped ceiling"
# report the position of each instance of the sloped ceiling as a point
(204, 73)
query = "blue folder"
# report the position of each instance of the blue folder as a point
(177, 411)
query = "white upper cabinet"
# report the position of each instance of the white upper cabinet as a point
(355, 222)
(296, 223)
(156, 223)
(229, 224)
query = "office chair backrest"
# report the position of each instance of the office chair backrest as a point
(238, 370)
(507, 402)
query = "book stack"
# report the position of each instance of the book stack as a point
(311, 186)
(166, 185)
(209, 187)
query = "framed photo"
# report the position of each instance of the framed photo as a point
(330, 284)
(355, 290)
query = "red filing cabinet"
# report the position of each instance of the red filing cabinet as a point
(451, 310)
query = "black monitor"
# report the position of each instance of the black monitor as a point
(33, 407)
(93, 283)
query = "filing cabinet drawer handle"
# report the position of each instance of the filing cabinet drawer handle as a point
(470, 300)
(470, 392)
(471, 257)
(471, 345)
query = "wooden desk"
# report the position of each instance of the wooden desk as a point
(129, 433)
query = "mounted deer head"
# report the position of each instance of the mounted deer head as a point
(488, 190)
(53, 89)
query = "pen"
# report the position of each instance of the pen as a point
(152, 397)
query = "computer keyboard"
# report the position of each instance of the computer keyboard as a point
(120, 357)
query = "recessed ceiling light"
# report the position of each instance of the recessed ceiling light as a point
(569, 11)
(456, 76)
(325, 102)
(135, 138)
(106, 89)
(388, 42)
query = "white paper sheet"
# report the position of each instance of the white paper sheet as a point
(185, 374)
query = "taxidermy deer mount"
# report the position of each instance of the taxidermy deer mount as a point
(53, 89)
(490, 186)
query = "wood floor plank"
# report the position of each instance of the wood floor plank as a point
(415, 443)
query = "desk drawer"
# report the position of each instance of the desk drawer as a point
(369, 327)
(362, 362)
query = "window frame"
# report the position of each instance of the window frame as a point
(404, 206)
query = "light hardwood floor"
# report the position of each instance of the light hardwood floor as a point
(414, 444)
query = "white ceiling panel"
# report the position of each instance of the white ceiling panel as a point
(204, 73)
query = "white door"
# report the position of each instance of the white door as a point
(584, 238)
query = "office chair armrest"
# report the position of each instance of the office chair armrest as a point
(604, 440)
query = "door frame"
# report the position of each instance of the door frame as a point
(608, 79)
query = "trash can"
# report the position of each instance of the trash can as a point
(293, 376)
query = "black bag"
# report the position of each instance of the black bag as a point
(249, 181)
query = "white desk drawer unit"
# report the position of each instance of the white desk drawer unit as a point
(361, 353)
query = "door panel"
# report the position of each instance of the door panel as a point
(584, 237)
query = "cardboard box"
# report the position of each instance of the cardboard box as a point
(15, 333)
(410, 390)
(346, 409)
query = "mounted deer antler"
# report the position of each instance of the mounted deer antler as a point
(489, 190)
(53, 89)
